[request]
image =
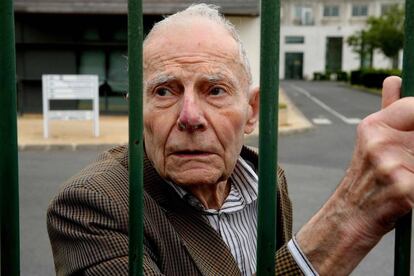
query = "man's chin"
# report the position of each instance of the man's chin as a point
(195, 177)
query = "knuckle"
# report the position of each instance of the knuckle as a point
(376, 150)
(404, 185)
(367, 123)
(387, 169)
(367, 129)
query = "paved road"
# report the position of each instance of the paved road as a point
(315, 160)
(41, 174)
(314, 163)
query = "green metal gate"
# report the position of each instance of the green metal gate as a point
(9, 219)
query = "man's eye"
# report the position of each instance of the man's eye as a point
(162, 91)
(217, 91)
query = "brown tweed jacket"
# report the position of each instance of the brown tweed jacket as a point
(88, 225)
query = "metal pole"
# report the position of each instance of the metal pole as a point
(269, 88)
(9, 184)
(135, 35)
(402, 254)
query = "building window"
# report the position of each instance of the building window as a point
(303, 15)
(331, 10)
(294, 40)
(359, 10)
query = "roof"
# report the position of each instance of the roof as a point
(155, 7)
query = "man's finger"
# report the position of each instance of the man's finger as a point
(391, 88)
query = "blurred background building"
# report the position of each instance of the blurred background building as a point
(314, 34)
(90, 37)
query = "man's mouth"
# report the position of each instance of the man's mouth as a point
(191, 153)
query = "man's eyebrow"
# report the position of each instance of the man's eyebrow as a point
(217, 78)
(160, 79)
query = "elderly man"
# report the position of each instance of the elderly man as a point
(200, 196)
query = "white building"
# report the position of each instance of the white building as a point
(314, 33)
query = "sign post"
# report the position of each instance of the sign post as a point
(70, 87)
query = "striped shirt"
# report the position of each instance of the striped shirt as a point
(236, 221)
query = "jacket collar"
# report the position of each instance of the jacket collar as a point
(208, 251)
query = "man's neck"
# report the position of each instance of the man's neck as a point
(211, 196)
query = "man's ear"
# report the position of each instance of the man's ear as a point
(253, 112)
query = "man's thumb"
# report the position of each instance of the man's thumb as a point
(391, 89)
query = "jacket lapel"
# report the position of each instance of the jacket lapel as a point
(284, 205)
(202, 242)
(208, 251)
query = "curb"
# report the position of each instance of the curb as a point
(66, 147)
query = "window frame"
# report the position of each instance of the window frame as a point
(294, 39)
(303, 15)
(357, 10)
(331, 10)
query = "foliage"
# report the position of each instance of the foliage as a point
(342, 76)
(361, 44)
(337, 76)
(372, 78)
(320, 76)
(385, 33)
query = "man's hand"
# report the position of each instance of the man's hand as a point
(377, 190)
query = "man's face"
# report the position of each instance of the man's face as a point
(196, 104)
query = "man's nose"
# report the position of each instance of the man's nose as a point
(191, 117)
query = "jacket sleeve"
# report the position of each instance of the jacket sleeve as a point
(88, 234)
(285, 264)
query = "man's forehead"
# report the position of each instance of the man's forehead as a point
(197, 35)
(196, 44)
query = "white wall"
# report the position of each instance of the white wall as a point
(314, 47)
(249, 31)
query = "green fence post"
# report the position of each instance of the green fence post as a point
(269, 94)
(402, 254)
(9, 185)
(135, 35)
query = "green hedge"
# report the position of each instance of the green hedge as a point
(337, 76)
(372, 78)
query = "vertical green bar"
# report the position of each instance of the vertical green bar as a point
(402, 254)
(9, 184)
(135, 35)
(269, 94)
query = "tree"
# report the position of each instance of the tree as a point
(386, 33)
(361, 45)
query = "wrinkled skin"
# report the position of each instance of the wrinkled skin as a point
(377, 190)
(197, 106)
(197, 82)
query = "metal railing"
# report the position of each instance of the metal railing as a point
(136, 145)
(268, 132)
(402, 254)
(9, 183)
(270, 26)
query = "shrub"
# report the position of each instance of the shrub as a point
(321, 76)
(337, 76)
(356, 77)
(342, 76)
(373, 78)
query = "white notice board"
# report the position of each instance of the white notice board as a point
(70, 87)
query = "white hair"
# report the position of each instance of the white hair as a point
(209, 12)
